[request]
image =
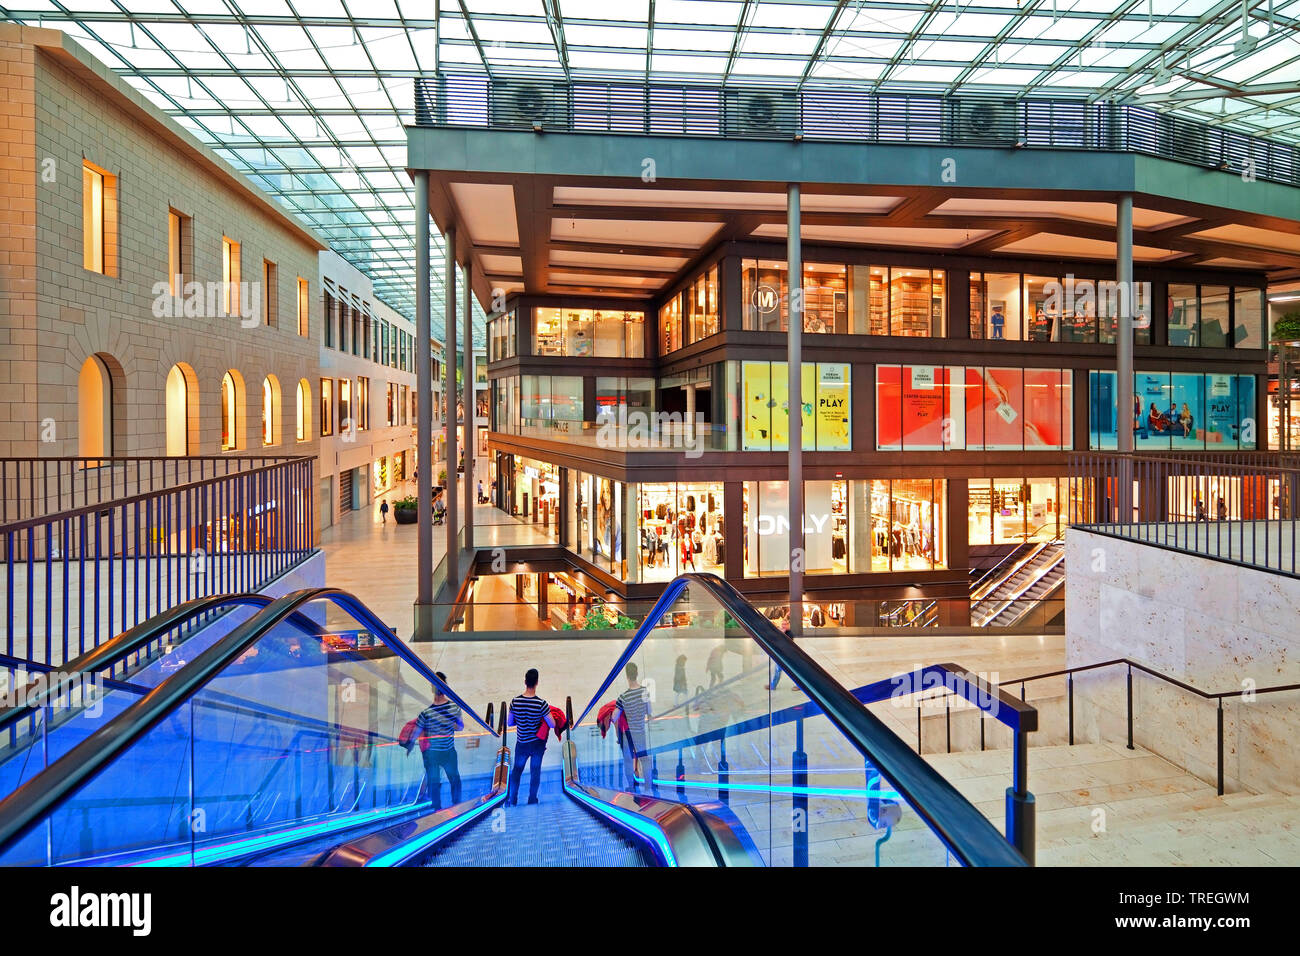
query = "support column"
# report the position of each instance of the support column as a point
(424, 417)
(1124, 356)
(794, 366)
(471, 408)
(449, 330)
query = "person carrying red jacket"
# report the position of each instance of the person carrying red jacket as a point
(559, 720)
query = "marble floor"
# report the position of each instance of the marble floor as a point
(1106, 805)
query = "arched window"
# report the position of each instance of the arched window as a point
(182, 411)
(229, 412)
(94, 409)
(270, 410)
(303, 405)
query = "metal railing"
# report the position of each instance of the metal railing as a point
(75, 578)
(1240, 508)
(36, 487)
(1131, 666)
(542, 101)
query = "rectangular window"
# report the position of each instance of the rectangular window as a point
(270, 298)
(331, 316)
(345, 320)
(357, 340)
(326, 406)
(401, 405)
(1212, 411)
(346, 423)
(1248, 318)
(230, 276)
(93, 202)
(363, 403)
(304, 309)
(178, 228)
(1184, 316)
(1214, 316)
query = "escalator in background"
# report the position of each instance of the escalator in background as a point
(278, 744)
(1030, 575)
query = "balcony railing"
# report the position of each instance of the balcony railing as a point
(840, 113)
(1240, 508)
(143, 540)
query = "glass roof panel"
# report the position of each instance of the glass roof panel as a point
(311, 102)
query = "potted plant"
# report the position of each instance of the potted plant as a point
(599, 619)
(442, 477)
(1287, 329)
(406, 510)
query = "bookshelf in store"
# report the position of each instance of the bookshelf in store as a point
(909, 305)
(825, 305)
(879, 300)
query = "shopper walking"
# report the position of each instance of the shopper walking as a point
(383, 512)
(527, 713)
(436, 729)
(634, 706)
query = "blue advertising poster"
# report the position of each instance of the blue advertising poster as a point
(1183, 410)
(1220, 411)
(1245, 386)
(1186, 410)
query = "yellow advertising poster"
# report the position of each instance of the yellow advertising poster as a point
(834, 410)
(780, 407)
(758, 406)
(808, 436)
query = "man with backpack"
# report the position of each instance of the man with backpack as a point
(436, 728)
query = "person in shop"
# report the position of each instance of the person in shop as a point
(383, 511)
(681, 689)
(688, 551)
(1186, 421)
(651, 545)
(439, 510)
(481, 499)
(1200, 511)
(713, 667)
(1221, 510)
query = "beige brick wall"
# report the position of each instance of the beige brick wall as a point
(58, 105)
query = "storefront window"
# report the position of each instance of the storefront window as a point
(827, 406)
(670, 325)
(1042, 317)
(1184, 316)
(1214, 316)
(1181, 410)
(549, 338)
(550, 398)
(916, 302)
(702, 307)
(537, 495)
(680, 528)
(869, 300)
(1248, 318)
(767, 528)
(928, 407)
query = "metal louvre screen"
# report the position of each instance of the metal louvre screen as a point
(821, 112)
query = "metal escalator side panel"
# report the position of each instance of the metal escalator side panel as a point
(399, 844)
(672, 832)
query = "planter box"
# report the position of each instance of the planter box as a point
(406, 515)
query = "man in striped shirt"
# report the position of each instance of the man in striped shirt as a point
(634, 705)
(436, 728)
(527, 714)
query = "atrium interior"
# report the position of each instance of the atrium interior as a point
(730, 393)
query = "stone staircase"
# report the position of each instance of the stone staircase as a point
(1105, 805)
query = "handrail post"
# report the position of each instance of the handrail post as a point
(1069, 681)
(1020, 824)
(1220, 747)
(799, 803)
(1129, 682)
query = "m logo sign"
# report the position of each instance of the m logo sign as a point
(765, 298)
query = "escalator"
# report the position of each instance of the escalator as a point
(278, 741)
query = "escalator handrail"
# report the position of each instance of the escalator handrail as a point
(966, 832)
(25, 807)
(119, 648)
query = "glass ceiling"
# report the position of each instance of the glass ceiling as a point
(308, 97)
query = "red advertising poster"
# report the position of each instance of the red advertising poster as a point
(974, 407)
(923, 406)
(1042, 408)
(1002, 402)
(889, 414)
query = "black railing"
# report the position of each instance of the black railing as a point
(74, 578)
(1131, 665)
(773, 111)
(1237, 507)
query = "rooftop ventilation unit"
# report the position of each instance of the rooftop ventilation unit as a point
(767, 113)
(980, 121)
(529, 104)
